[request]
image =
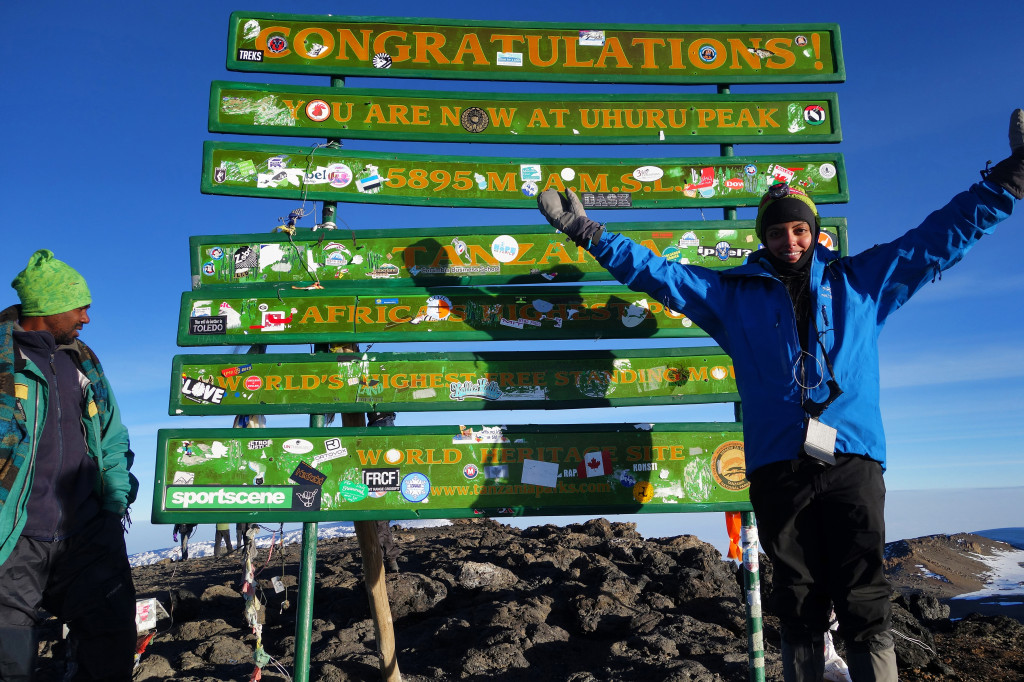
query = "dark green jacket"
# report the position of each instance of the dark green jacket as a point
(23, 396)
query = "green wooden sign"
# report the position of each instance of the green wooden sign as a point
(520, 51)
(403, 382)
(459, 255)
(273, 475)
(283, 172)
(262, 315)
(520, 118)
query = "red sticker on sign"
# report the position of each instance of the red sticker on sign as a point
(253, 383)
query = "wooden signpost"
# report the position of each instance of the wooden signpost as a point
(466, 283)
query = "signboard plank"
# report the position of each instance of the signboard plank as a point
(520, 118)
(459, 255)
(262, 315)
(353, 474)
(534, 51)
(403, 382)
(285, 172)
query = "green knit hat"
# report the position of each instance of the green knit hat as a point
(49, 286)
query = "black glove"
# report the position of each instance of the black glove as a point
(566, 215)
(1009, 173)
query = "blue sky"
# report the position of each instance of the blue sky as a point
(106, 115)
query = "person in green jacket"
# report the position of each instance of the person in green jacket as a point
(65, 483)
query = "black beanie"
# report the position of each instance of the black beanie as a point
(785, 210)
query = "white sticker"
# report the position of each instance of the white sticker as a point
(827, 171)
(530, 171)
(648, 173)
(540, 473)
(568, 174)
(635, 313)
(393, 456)
(183, 478)
(297, 446)
(509, 59)
(424, 394)
(504, 248)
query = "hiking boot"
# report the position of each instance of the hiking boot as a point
(393, 565)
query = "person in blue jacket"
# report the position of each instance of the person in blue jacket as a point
(65, 483)
(801, 325)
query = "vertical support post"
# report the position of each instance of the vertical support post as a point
(752, 593)
(726, 150)
(307, 583)
(307, 565)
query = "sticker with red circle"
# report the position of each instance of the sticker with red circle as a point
(318, 110)
(814, 114)
(253, 383)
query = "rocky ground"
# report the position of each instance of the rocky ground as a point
(596, 601)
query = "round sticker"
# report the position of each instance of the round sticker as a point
(626, 479)
(750, 169)
(800, 41)
(339, 175)
(529, 188)
(505, 248)
(643, 492)
(318, 110)
(297, 446)
(382, 60)
(415, 487)
(568, 174)
(470, 471)
(216, 253)
(263, 307)
(719, 372)
(208, 268)
(814, 114)
(825, 239)
(474, 120)
(707, 53)
(277, 44)
(393, 456)
(438, 308)
(827, 171)
(672, 253)
(253, 383)
(729, 467)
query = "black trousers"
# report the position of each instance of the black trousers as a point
(86, 582)
(824, 530)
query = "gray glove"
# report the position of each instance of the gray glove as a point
(1009, 173)
(566, 215)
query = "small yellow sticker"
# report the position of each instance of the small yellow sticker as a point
(92, 408)
(643, 492)
(21, 391)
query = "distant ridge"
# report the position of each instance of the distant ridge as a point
(1011, 536)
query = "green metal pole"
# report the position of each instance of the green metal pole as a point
(752, 588)
(726, 150)
(307, 568)
(307, 583)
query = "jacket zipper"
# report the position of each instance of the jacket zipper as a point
(60, 440)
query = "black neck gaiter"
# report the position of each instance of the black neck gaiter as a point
(796, 277)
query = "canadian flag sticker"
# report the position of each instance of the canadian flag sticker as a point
(595, 463)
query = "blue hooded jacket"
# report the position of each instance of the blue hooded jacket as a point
(748, 312)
